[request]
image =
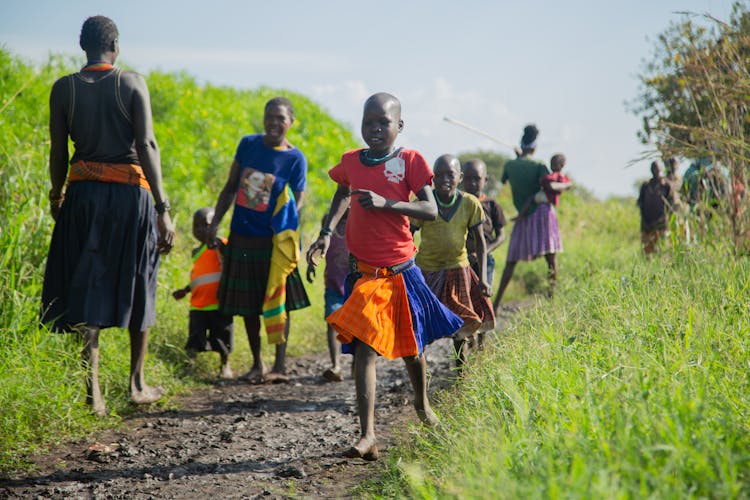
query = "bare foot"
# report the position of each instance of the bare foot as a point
(256, 375)
(98, 408)
(333, 375)
(146, 395)
(274, 377)
(226, 372)
(427, 416)
(366, 448)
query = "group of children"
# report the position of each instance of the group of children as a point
(382, 296)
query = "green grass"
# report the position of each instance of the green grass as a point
(632, 382)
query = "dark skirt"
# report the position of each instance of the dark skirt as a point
(102, 261)
(244, 277)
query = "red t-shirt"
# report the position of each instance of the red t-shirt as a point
(381, 237)
(552, 195)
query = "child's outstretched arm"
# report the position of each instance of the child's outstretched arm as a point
(179, 294)
(424, 207)
(339, 204)
(477, 233)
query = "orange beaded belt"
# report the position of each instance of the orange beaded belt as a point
(122, 173)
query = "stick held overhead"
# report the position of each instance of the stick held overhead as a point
(480, 132)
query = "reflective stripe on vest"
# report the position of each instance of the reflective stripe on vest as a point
(204, 279)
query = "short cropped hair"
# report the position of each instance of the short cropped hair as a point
(98, 33)
(281, 101)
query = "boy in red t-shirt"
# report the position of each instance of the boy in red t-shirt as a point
(390, 311)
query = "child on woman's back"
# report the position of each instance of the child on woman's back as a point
(390, 310)
(444, 261)
(204, 303)
(475, 179)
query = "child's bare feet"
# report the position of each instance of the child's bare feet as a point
(366, 448)
(256, 375)
(97, 407)
(226, 372)
(427, 416)
(275, 377)
(333, 374)
(146, 395)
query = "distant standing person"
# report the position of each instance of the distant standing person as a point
(674, 181)
(265, 166)
(475, 180)
(104, 255)
(204, 298)
(535, 232)
(654, 202)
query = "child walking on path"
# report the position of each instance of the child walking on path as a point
(444, 261)
(475, 179)
(337, 268)
(204, 302)
(265, 169)
(390, 310)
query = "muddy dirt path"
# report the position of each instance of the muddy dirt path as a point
(236, 441)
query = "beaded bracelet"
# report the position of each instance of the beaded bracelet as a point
(162, 207)
(55, 198)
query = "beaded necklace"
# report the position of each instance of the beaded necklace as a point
(97, 66)
(366, 159)
(450, 204)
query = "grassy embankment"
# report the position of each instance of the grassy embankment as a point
(631, 383)
(198, 128)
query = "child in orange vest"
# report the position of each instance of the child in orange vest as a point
(204, 303)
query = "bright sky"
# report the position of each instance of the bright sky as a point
(568, 66)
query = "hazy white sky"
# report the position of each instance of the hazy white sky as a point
(568, 66)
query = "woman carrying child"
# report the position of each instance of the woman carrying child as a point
(535, 232)
(444, 261)
(390, 311)
(265, 167)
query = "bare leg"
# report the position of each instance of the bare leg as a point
(504, 281)
(551, 259)
(462, 351)
(140, 393)
(416, 366)
(257, 370)
(279, 362)
(226, 370)
(364, 382)
(333, 374)
(90, 355)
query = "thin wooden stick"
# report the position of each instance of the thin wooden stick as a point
(480, 132)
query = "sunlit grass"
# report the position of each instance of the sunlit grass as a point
(632, 382)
